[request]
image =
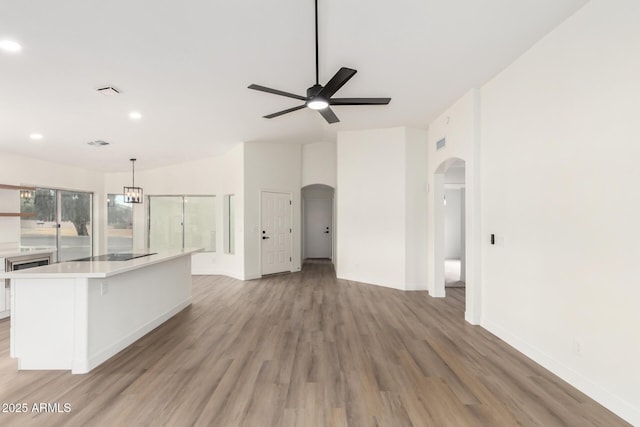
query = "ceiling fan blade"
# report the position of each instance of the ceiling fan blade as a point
(277, 92)
(279, 113)
(337, 81)
(329, 115)
(359, 101)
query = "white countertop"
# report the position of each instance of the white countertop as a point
(95, 269)
(12, 252)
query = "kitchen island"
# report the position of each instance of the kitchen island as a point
(77, 314)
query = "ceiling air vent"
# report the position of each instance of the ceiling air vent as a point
(108, 91)
(98, 143)
(441, 143)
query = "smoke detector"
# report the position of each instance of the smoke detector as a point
(108, 91)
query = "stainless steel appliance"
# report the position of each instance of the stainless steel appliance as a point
(18, 262)
(26, 261)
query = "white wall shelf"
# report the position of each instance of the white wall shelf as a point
(16, 188)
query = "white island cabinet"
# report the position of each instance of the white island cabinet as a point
(14, 258)
(75, 315)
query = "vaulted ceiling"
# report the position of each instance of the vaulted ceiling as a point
(185, 66)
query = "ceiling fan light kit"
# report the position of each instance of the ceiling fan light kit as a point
(317, 104)
(319, 97)
(315, 101)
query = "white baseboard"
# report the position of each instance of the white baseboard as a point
(234, 275)
(210, 272)
(438, 293)
(471, 318)
(372, 281)
(614, 403)
(84, 366)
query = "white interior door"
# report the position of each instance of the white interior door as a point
(275, 235)
(318, 228)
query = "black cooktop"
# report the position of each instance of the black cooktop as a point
(114, 257)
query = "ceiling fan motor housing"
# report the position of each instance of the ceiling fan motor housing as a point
(313, 91)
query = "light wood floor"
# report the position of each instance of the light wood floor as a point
(306, 349)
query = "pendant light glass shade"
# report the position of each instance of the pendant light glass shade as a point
(133, 194)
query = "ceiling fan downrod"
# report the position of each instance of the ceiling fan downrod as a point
(317, 61)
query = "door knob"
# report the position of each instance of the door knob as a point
(265, 237)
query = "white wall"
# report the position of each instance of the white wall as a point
(378, 197)
(319, 164)
(454, 213)
(454, 175)
(453, 223)
(18, 170)
(273, 167)
(217, 176)
(560, 147)
(416, 209)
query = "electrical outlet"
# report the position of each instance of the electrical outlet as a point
(104, 288)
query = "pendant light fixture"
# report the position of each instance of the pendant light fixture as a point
(133, 194)
(25, 194)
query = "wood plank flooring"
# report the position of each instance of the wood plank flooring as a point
(305, 349)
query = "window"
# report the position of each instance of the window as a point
(177, 222)
(119, 224)
(61, 219)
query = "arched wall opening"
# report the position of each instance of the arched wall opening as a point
(454, 137)
(469, 251)
(318, 222)
(454, 232)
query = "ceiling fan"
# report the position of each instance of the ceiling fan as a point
(320, 97)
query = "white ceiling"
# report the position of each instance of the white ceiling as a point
(185, 65)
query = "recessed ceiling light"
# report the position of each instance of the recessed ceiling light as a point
(10, 46)
(36, 136)
(135, 115)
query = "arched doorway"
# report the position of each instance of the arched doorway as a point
(470, 230)
(318, 222)
(454, 230)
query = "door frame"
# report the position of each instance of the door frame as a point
(304, 224)
(259, 237)
(58, 219)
